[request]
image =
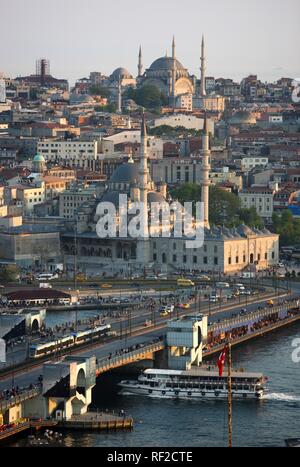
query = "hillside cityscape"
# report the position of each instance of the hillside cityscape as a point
(149, 247)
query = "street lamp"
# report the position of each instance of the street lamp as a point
(76, 311)
(75, 251)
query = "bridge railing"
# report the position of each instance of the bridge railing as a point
(126, 356)
(242, 320)
(14, 400)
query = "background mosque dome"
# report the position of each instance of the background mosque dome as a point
(81, 99)
(38, 158)
(243, 117)
(125, 173)
(120, 73)
(165, 63)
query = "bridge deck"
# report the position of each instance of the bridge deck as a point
(130, 357)
(15, 400)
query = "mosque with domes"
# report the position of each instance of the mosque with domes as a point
(166, 73)
(224, 250)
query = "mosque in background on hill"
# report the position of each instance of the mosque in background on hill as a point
(166, 73)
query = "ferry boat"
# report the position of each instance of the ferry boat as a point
(197, 383)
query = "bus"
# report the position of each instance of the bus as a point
(47, 277)
(185, 283)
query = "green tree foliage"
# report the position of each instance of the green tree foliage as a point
(250, 217)
(170, 131)
(98, 90)
(147, 96)
(224, 207)
(9, 273)
(287, 227)
(110, 108)
(187, 192)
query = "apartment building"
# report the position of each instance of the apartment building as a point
(261, 198)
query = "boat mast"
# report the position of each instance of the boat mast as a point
(229, 398)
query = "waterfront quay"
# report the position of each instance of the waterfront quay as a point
(98, 421)
(90, 421)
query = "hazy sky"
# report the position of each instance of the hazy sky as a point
(79, 36)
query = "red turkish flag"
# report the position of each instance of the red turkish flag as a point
(221, 361)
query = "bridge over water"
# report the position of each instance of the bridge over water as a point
(283, 314)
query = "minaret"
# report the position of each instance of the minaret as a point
(173, 71)
(205, 169)
(143, 169)
(140, 65)
(119, 109)
(202, 84)
(143, 245)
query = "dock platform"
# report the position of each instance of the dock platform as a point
(27, 425)
(96, 421)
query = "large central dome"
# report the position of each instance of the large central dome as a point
(165, 63)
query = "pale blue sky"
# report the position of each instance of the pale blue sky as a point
(79, 36)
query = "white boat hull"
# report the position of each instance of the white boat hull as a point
(129, 388)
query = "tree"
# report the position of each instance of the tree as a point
(187, 192)
(250, 217)
(10, 273)
(287, 227)
(98, 90)
(170, 131)
(110, 108)
(147, 96)
(224, 207)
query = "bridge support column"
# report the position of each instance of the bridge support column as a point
(161, 359)
(185, 339)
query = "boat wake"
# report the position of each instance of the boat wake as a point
(280, 396)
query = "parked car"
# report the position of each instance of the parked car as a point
(185, 306)
(202, 277)
(163, 313)
(222, 285)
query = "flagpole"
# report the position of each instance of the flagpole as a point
(229, 398)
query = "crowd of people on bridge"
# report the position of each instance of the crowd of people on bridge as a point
(268, 320)
(8, 394)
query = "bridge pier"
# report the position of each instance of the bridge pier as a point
(67, 387)
(161, 359)
(185, 339)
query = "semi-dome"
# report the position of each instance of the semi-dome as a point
(165, 63)
(125, 173)
(120, 73)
